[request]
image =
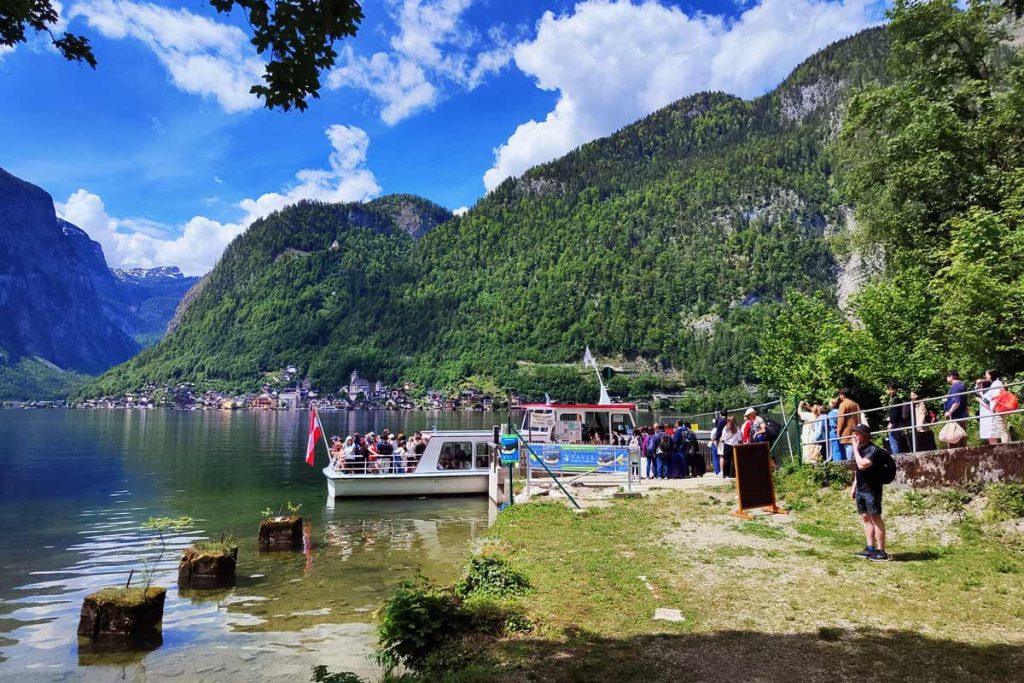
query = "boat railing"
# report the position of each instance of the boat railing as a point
(387, 465)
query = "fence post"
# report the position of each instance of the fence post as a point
(799, 432)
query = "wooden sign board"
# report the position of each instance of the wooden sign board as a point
(755, 487)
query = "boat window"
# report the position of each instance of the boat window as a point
(569, 428)
(483, 455)
(622, 423)
(538, 420)
(596, 428)
(456, 455)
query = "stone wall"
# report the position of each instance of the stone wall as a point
(1003, 462)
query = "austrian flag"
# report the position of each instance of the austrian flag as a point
(316, 432)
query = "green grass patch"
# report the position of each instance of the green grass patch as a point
(761, 530)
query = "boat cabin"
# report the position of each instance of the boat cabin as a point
(579, 423)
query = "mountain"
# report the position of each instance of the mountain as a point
(63, 313)
(668, 244)
(144, 300)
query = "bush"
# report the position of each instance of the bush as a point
(417, 623)
(425, 628)
(490, 573)
(1005, 501)
(797, 478)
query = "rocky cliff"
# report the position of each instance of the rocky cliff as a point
(49, 303)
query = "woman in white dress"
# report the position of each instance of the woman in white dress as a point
(986, 414)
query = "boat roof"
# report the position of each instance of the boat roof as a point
(578, 406)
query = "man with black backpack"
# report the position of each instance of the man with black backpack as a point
(874, 468)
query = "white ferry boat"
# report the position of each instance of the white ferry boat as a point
(453, 463)
(566, 437)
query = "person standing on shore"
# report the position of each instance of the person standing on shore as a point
(867, 491)
(833, 451)
(717, 447)
(999, 430)
(955, 405)
(899, 420)
(731, 437)
(848, 419)
(653, 471)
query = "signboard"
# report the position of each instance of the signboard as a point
(755, 487)
(580, 457)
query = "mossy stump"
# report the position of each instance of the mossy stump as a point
(202, 567)
(281, 533)
(123, 617)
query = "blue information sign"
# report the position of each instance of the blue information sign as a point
(580, 458)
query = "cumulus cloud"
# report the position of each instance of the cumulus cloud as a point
(202, 56)
(433, 47)
(142, 242)
(461, 211)
(614, 61)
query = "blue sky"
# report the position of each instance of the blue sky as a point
(162, 156)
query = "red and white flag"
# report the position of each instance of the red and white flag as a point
(316, 432)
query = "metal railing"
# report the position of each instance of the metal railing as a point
(381, 464)
(914, 428)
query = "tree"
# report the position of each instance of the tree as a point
(296, 35)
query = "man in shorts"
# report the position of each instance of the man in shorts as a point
(867, 491)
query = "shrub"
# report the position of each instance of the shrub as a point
(951, 500)
(913, 502)
(417, 623)
(1005, 501)
(490, 573)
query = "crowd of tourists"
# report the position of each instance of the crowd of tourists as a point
(909, 423)
(384, 453)
(669, 452)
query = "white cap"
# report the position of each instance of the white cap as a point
(750, 411)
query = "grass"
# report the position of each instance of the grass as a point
(779, 596)
(126, 597)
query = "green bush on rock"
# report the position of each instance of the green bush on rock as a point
(430, 629)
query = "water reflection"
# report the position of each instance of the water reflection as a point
(288, 610)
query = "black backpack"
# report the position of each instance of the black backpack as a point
(384, 448)
(886, 465)
(772, 430)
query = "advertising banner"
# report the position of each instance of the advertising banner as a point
(580, 458)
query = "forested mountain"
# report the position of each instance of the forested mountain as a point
(670, 242)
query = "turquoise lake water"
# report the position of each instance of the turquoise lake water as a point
(76, 486)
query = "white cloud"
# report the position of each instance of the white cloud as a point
(461, 211)
(433, 47)
(348, 180)
(612, 62)
(202, 56)
(145, 243)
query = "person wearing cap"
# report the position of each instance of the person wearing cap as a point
(867, 491)
(750, 424)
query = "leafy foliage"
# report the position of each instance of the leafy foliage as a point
(1005, 501)
(491, 574)
(298, 36)
(934, 161)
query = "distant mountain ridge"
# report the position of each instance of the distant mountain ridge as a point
(62, 310)
(668, 243)
(144, 275)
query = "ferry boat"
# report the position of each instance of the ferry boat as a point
(453, 463)
(566, 437)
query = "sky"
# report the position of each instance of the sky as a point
(163, 156)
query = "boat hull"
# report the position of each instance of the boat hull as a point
(448, 484)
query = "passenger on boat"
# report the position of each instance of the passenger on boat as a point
(336, 453)
(463, 461)
(447, 459)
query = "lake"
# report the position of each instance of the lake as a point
(76, 486)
